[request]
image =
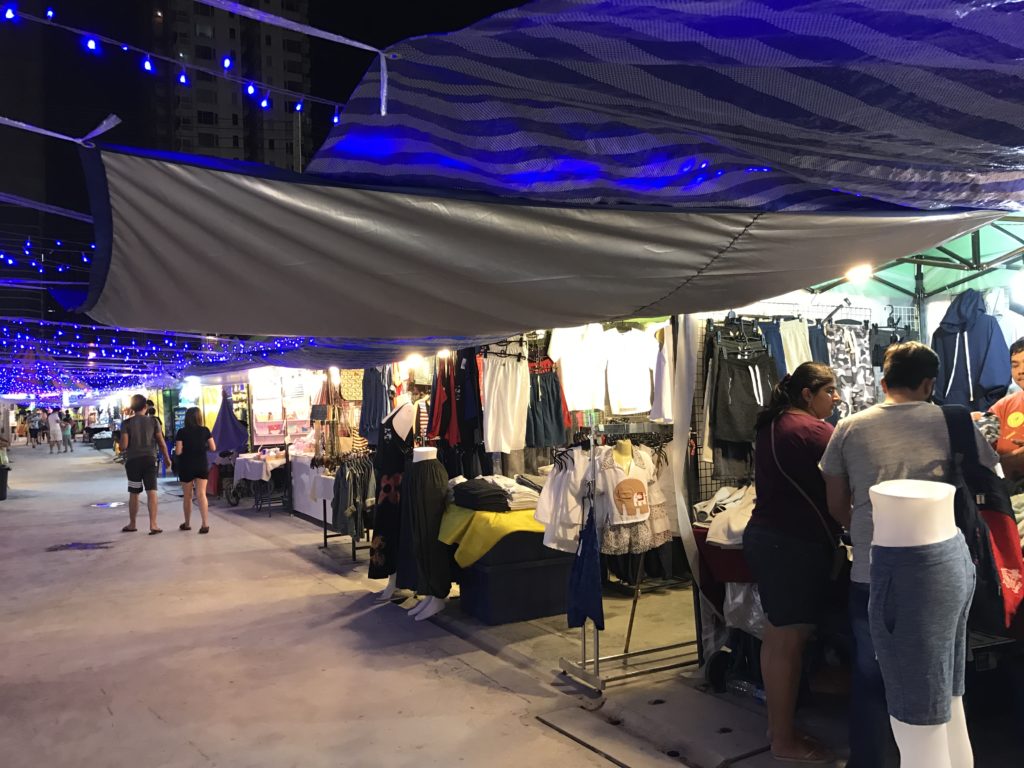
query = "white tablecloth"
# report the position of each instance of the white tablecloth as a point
(310, 487)
(251, 467)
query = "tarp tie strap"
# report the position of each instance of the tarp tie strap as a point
(110, 121)
(280, 21)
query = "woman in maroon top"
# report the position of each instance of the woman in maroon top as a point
(790, 542)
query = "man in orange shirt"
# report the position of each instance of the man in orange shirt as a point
(1010, 411)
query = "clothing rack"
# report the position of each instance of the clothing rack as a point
(586, 669)
(329, 532)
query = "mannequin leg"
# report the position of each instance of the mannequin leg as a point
(960, 752)
(430, 607)
(389, 591)
(922, 746)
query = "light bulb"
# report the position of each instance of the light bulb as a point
(147, 64)
(337, 118)
(250, 89)
(226, 63)
(183, 78)
(860, 274)
(265, 102)
(9, 13)
(91, 44)
(298, 107)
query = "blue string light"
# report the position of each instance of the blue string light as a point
(226, 63)
(147, 64)
(91, 45)
(250, 89)
(265, 101)
(337, 117)
(49, 14)
(183, 77)
(9, 13)
(298, 106)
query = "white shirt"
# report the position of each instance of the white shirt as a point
(625, 495)
(661, 408)
(581, 354)
(632, 357)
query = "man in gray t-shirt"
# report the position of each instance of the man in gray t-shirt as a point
(903, 438)
(141, 438)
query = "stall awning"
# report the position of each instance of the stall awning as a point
(831, 105)
(191, 245)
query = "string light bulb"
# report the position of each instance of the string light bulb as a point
(92, 45)
(265, 101)
(250, 89)
(298, 106)
(226, 62)
(147, 64)
(9, 13)
(183, 77)
(49, 14)
(337, 117)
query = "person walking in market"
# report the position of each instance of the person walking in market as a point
(191, 445)
(65, 427)
(903, 438)
(54, 430)
(35, 420)
(141, 438)
(791, 544)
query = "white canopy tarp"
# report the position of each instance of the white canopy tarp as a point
(219, 248)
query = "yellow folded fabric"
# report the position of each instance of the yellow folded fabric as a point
(476, 533)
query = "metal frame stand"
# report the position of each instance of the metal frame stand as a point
(587, 670)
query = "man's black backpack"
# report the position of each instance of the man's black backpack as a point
(978, 489)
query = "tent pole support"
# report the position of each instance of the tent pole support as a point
(992, 266)
(893, 286)
(919, 294)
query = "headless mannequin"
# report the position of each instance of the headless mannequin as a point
(622, 453)
(914, 513)
(404, 414)
(430, 606)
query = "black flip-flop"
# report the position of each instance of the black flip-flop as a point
(184, 527)
(128, 529)
(205, 529)
(155, 531)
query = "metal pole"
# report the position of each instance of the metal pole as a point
(632, 610)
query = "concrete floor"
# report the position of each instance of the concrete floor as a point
(240, 648)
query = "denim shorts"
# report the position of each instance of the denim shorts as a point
(920, 598)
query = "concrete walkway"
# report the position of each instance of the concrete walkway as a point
(240, 648)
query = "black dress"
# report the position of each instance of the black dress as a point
(392, 453)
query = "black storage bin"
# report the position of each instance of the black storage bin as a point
(4, 474)
(518, 580)
(103, 443)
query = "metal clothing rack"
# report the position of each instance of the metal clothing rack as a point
(587, 669)
(327, 528)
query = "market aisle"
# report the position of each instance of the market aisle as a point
(233, 649)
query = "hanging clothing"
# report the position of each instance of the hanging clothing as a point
(819, 344)
(625, 494)
(773, 341)
(581, 354)
(507, 398)
(545, 422)
(560, 506)
(796, 343)
(632, 358)
(469, 409)
(744, 390)
(849, 349)
(376, 402)
(390, 460)
(664, 376)
(425, 499)
(974, 361)
(584, 597)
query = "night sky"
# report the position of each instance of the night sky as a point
(75, 91)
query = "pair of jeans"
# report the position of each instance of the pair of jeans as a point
(871, 741)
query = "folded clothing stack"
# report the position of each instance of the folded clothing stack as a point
(495, 493)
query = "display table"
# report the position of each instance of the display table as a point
(268, 477)
(250, 466)
(476, 533)
(310, 487)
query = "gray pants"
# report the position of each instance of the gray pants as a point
(920, 598)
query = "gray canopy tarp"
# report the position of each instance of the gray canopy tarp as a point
(188, 244)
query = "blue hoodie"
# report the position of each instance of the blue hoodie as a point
(974, 361)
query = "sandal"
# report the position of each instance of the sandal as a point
(129, 529)
(184, 527)
(205, 529)
(813, 754)
(155, 531)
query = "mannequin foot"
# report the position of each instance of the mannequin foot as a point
(431, 607)
(415, 610)
(389, 591)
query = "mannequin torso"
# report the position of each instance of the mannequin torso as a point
(424, 454)
(623, 454)
(403, 417)
(912, 513)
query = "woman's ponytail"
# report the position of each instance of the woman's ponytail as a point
(787, 393)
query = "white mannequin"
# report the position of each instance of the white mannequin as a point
(404, 415)
(914, 513)
(431, 606)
